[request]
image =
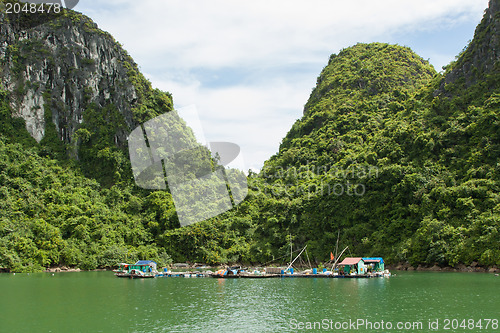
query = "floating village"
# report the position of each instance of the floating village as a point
(349, 267)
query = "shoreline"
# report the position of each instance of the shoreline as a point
(473, 268)
(461, 268)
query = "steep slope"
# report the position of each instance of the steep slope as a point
(79, 93)
(477, 69)
(358, 90)
(401, 160)
(69, 96)
(53, 216)
(343, 165)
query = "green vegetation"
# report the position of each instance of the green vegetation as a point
(53, 216)
(99, 156)
(403, 161)
(52, 145)
(423, 180)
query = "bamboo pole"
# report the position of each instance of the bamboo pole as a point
(295, 258)
(337, 245)
(337, 259)
(310, 266)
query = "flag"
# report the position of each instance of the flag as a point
(332, 258)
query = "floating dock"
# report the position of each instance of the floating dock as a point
(298, 275)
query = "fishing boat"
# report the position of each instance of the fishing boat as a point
(142, 269)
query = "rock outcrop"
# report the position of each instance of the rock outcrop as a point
(56, 70)
(479, 62)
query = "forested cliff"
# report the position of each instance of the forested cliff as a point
(70, 97)
(403, 161)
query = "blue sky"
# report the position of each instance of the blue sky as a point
(249, 66)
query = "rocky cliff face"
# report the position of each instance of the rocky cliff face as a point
(55, 71)
(481, 57)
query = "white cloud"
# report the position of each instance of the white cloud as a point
(254, 117)
(218, 33)
(271, 51)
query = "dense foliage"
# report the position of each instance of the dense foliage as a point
(402, 161)
(422, 169)
(52, 215)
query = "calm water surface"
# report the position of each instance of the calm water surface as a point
(100, 302)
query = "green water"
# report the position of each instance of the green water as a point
(99, 302)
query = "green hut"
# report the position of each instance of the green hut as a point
(353, 265)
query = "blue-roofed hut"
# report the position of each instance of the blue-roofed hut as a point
(374, 264)
(145, 266)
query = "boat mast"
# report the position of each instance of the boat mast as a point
(337, 259)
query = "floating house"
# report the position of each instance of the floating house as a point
(145, 265)
(374, 264)
(352, 266)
